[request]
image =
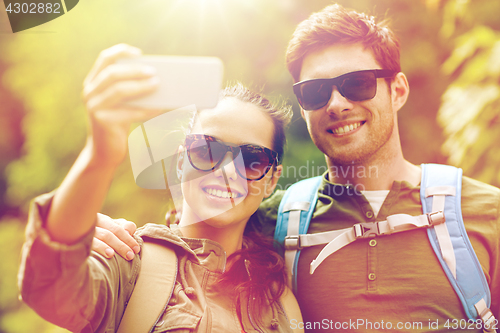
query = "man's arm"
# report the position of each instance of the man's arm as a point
(113, 235)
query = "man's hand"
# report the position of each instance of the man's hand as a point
(115, 235)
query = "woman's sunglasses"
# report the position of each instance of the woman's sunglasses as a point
(355, 86)
(206, 153)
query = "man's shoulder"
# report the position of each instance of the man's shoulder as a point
(272, 203)
(473, 187)
(480, 203)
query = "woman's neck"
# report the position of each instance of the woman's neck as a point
(229, 236)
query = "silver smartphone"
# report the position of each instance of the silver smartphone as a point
(184, 80)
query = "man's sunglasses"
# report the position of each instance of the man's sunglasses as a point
(206, 153)
(355, 86)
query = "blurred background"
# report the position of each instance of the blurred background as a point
(450, 53)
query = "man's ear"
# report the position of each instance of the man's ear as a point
(271, 185)
(399, 91)
(180, 161)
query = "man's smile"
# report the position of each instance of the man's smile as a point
(345, 129)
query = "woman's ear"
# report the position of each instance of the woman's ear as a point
(180, 161)
(271, 185)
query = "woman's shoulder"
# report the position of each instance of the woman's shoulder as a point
(158, 233)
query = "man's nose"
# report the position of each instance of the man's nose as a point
(338, 103)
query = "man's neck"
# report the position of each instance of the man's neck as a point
(375, 174)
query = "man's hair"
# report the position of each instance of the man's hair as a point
(335, 24)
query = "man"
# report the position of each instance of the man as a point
(394, 279)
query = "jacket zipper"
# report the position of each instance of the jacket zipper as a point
(169, 297)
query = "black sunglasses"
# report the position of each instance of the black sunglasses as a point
(355, 86)
(206, 153)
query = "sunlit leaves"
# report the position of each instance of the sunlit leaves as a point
(467, 45)
(470, 109)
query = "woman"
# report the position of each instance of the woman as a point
(221, 191)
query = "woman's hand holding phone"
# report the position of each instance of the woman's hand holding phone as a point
(107, 88)
(113, 92)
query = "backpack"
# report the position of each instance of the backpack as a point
(440, 194)
(153, 288)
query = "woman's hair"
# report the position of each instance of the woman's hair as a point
(257, 271)
(280, 113)
(335, 24)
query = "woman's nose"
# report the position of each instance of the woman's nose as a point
(228, 167)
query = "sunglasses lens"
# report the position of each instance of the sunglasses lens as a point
(256, 162)
(204, 155)
(355, 86)
(314, 94)
(359, 86)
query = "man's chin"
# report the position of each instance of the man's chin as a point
(344, 157)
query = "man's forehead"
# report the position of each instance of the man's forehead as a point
(337, 59)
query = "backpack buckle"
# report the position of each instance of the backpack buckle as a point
(292, 243)
(366, 229)
(436, 217)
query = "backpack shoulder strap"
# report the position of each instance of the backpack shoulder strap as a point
(152, 290)
(440, 190)
(294, 214)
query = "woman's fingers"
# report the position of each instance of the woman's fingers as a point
(109, 84)
(116, 73)
(109, 56)
(122, 91)
(115, 235)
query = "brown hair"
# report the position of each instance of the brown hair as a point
(257, 271)
(280, 113)
(335, 24)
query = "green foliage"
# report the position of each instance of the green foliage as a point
(470, 109)
(46, 67)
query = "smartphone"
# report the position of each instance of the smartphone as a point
(184, 80)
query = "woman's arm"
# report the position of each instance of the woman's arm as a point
(82, 193)
(57, 276)
(67, 287)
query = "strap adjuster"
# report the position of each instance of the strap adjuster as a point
(292, 243)
(488, 320)
(366, 229)
(436, 217)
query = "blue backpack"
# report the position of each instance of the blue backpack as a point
(440, 195)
